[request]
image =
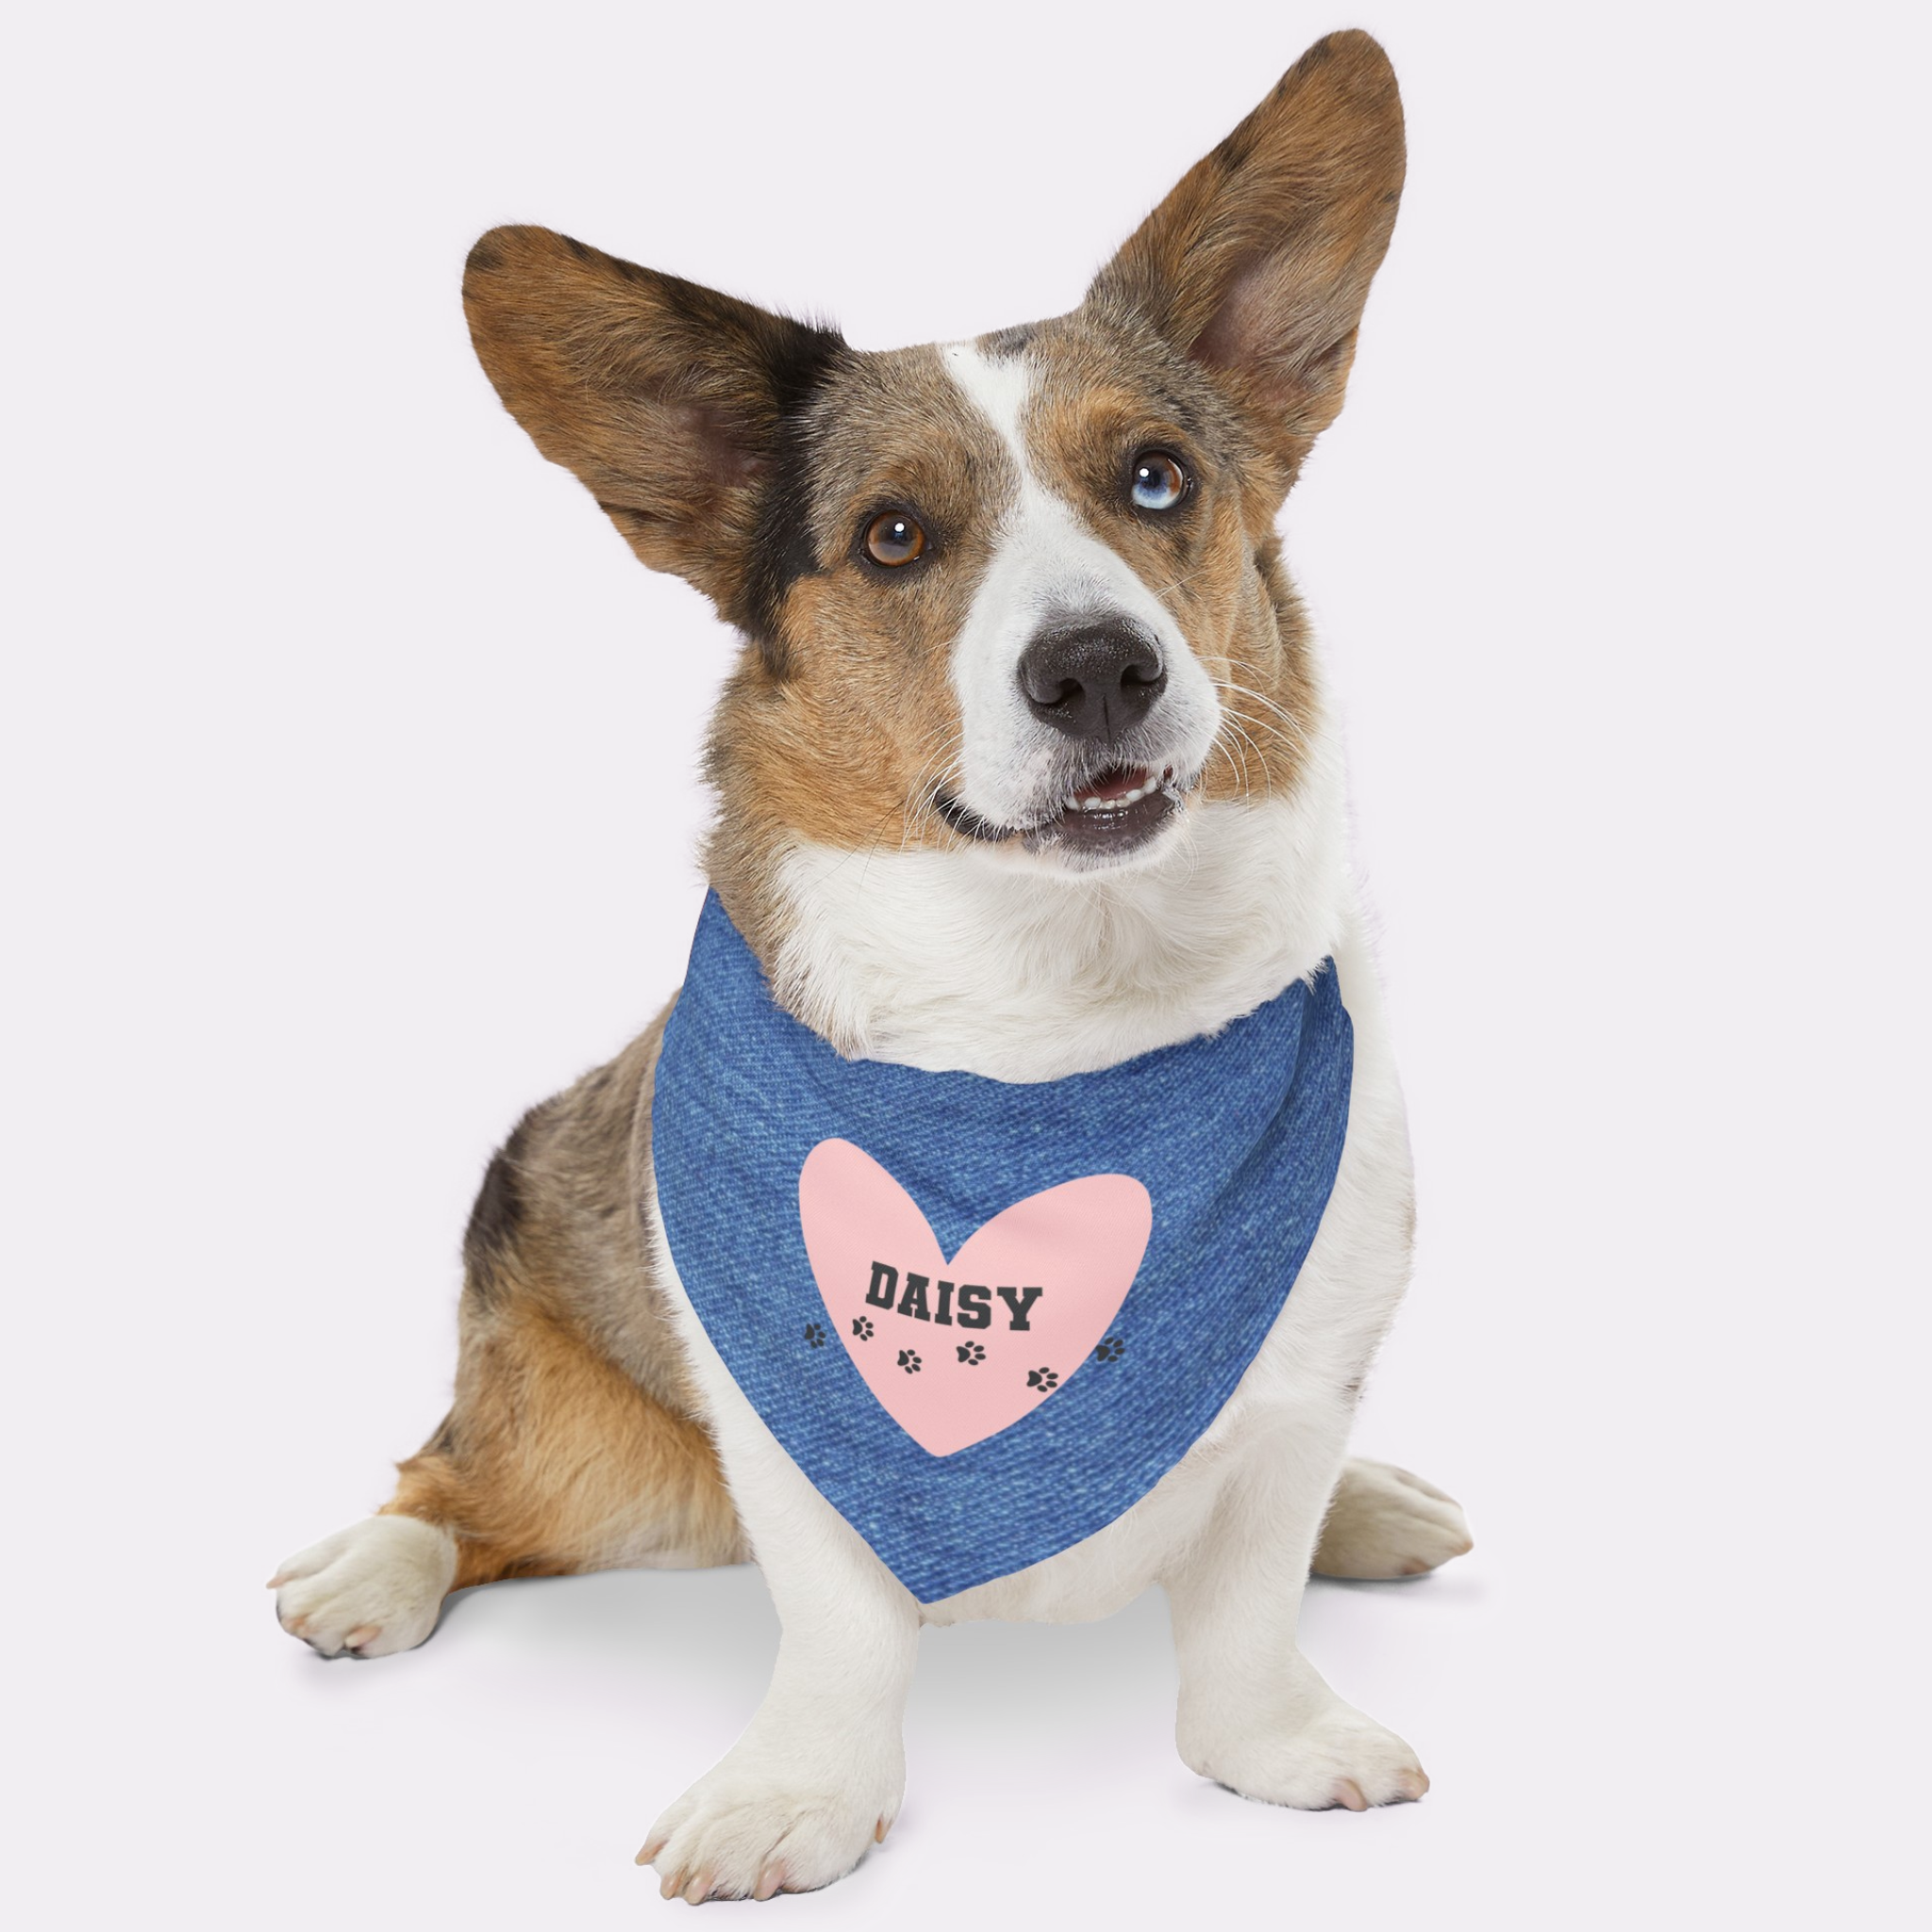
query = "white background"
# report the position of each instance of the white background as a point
(350, 796)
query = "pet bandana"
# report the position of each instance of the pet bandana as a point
(986, 1317)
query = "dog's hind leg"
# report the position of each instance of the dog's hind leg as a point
(551, 1461)
(1382, 1522)
(571, 1444)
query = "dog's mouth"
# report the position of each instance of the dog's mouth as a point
(1107, 814)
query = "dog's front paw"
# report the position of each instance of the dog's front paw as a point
(751, 1829)
(373, 1588)
(1339, 1757)
(1386, 1523)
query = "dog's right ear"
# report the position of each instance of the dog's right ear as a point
(666, 399)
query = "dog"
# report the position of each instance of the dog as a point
(1023, 775)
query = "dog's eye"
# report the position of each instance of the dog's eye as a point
(893, 539)
(1157, 482)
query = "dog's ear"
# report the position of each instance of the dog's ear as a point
(1258, 263)
(667, 400)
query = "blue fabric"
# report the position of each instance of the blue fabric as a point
(1236, 1138)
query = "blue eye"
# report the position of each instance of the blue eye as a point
(1157, 481)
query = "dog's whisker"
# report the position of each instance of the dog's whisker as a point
(1199, 571)
(1232, 723)
(1280, 726)
(1289, 726)
(925, 794)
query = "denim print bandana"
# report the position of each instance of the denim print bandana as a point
(986, 1317)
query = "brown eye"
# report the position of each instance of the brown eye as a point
(893, 539)
(1156, 481)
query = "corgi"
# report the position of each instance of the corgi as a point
(1025, 772)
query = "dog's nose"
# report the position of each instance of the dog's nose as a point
(1091, 680)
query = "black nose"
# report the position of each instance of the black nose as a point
(1091, 680)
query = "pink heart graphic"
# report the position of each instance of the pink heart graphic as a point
(1059, 1262)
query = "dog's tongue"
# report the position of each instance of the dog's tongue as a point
(1115, 784)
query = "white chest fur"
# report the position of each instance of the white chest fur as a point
(954, 960)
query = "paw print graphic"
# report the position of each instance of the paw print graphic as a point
(861, 1326)
(815, 1335)
(1110, 1350)
(908, 1361)
(1042, 1379)
(972, 1354)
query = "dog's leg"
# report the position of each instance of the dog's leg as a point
(573, 1443)
(1384, 1522)
(1254, 1715)
(551, 1461)
(371, 1589)
(818, 1776)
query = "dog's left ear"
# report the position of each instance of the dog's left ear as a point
(1258, 264)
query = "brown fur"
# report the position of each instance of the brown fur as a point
(667, 400)
(747, 453)
(555, 1463)
(574, 1442)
